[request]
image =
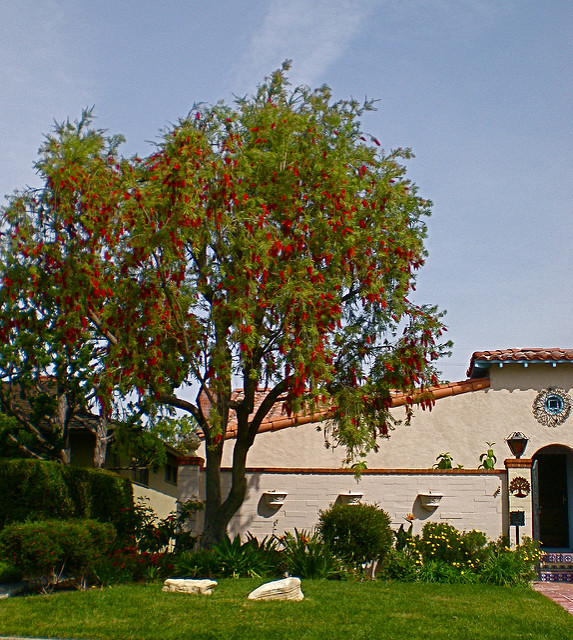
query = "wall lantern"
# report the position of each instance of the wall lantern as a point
(430, 500)
(517, 443)
(352, 497)
(275, 498)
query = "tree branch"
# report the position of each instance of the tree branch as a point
(97, 321)
(264, 408)
(174, 401)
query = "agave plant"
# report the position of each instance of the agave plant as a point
(244, 559)
(306, 556)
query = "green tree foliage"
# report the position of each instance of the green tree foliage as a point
(269, 244)
(47, 380)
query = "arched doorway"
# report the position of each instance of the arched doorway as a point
(552, 476)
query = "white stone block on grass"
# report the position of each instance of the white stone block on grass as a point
(285, 589)
(186, 585)
(9, 590)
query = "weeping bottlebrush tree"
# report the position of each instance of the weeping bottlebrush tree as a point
(265, 245)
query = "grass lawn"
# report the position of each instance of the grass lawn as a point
(331, 610)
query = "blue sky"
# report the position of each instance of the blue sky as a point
(482, 90)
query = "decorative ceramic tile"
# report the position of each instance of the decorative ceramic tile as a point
(557, 557)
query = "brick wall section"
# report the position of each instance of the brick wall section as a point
(472, 499)
(518, 463)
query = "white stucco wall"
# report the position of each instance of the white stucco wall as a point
(161, 503)
(460, 424)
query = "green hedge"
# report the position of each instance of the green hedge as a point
(39, 490)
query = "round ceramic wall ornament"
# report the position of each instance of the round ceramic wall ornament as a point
(552, 406)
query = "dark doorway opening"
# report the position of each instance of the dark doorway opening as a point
(553, 500)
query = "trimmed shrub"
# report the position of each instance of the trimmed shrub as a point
(356, 533)
(100, 495)
(45, 550)
(36, 490)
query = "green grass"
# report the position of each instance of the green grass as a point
(331, 610)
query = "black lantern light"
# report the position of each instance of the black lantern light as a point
(517, 443)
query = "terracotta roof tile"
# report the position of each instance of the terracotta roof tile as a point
(519, 355)
(278, 418)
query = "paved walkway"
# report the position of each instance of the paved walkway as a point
(560, 592)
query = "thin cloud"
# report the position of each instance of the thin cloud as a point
(313, 33)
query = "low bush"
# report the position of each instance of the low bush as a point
(130, 565)
(230, 558)
(442, 542)
(46, 550)
(399, 564)
(305, 555)
(9, 573)
(145, 530)
(444, 554)
(444, 573)
(249, 559)
(356, 533)
(203, 563)
(509, 567)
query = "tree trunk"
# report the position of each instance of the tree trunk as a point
(63, 419)
(218, 514)
(102, 439)
(213, 529)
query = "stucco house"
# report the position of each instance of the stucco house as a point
(157, 487)
(524, 393)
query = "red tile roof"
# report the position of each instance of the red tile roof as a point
(520, 355)
(278, 419)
